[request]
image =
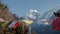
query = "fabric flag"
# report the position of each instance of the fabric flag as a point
(1, 20)
(8, 23)
(12, 24)
(56, 23)
(5, 23)
(16, 25)
(28, 22)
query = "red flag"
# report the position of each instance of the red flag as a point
(17, 24)
(56, 23)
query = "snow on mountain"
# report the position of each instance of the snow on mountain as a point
(41, 23)
(33, 15)
(45, 23)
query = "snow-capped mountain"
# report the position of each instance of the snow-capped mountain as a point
(45, 23)
(33, 15)
(41, 24)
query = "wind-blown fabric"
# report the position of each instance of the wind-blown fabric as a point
(56, 23)
(1, 20)
(17, 24)
(12, 24)
(5, 23)
(28, 22)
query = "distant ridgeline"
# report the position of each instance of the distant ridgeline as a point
(5, 14)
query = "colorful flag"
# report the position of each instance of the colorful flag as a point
(5, 23)
(28, 22)
(12, 24)
(56, 23)
(16, 25)
(8, 23)
(1, 20)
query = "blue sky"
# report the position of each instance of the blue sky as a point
(20, 7)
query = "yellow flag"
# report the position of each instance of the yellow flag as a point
(5, 23)
(28, 22)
